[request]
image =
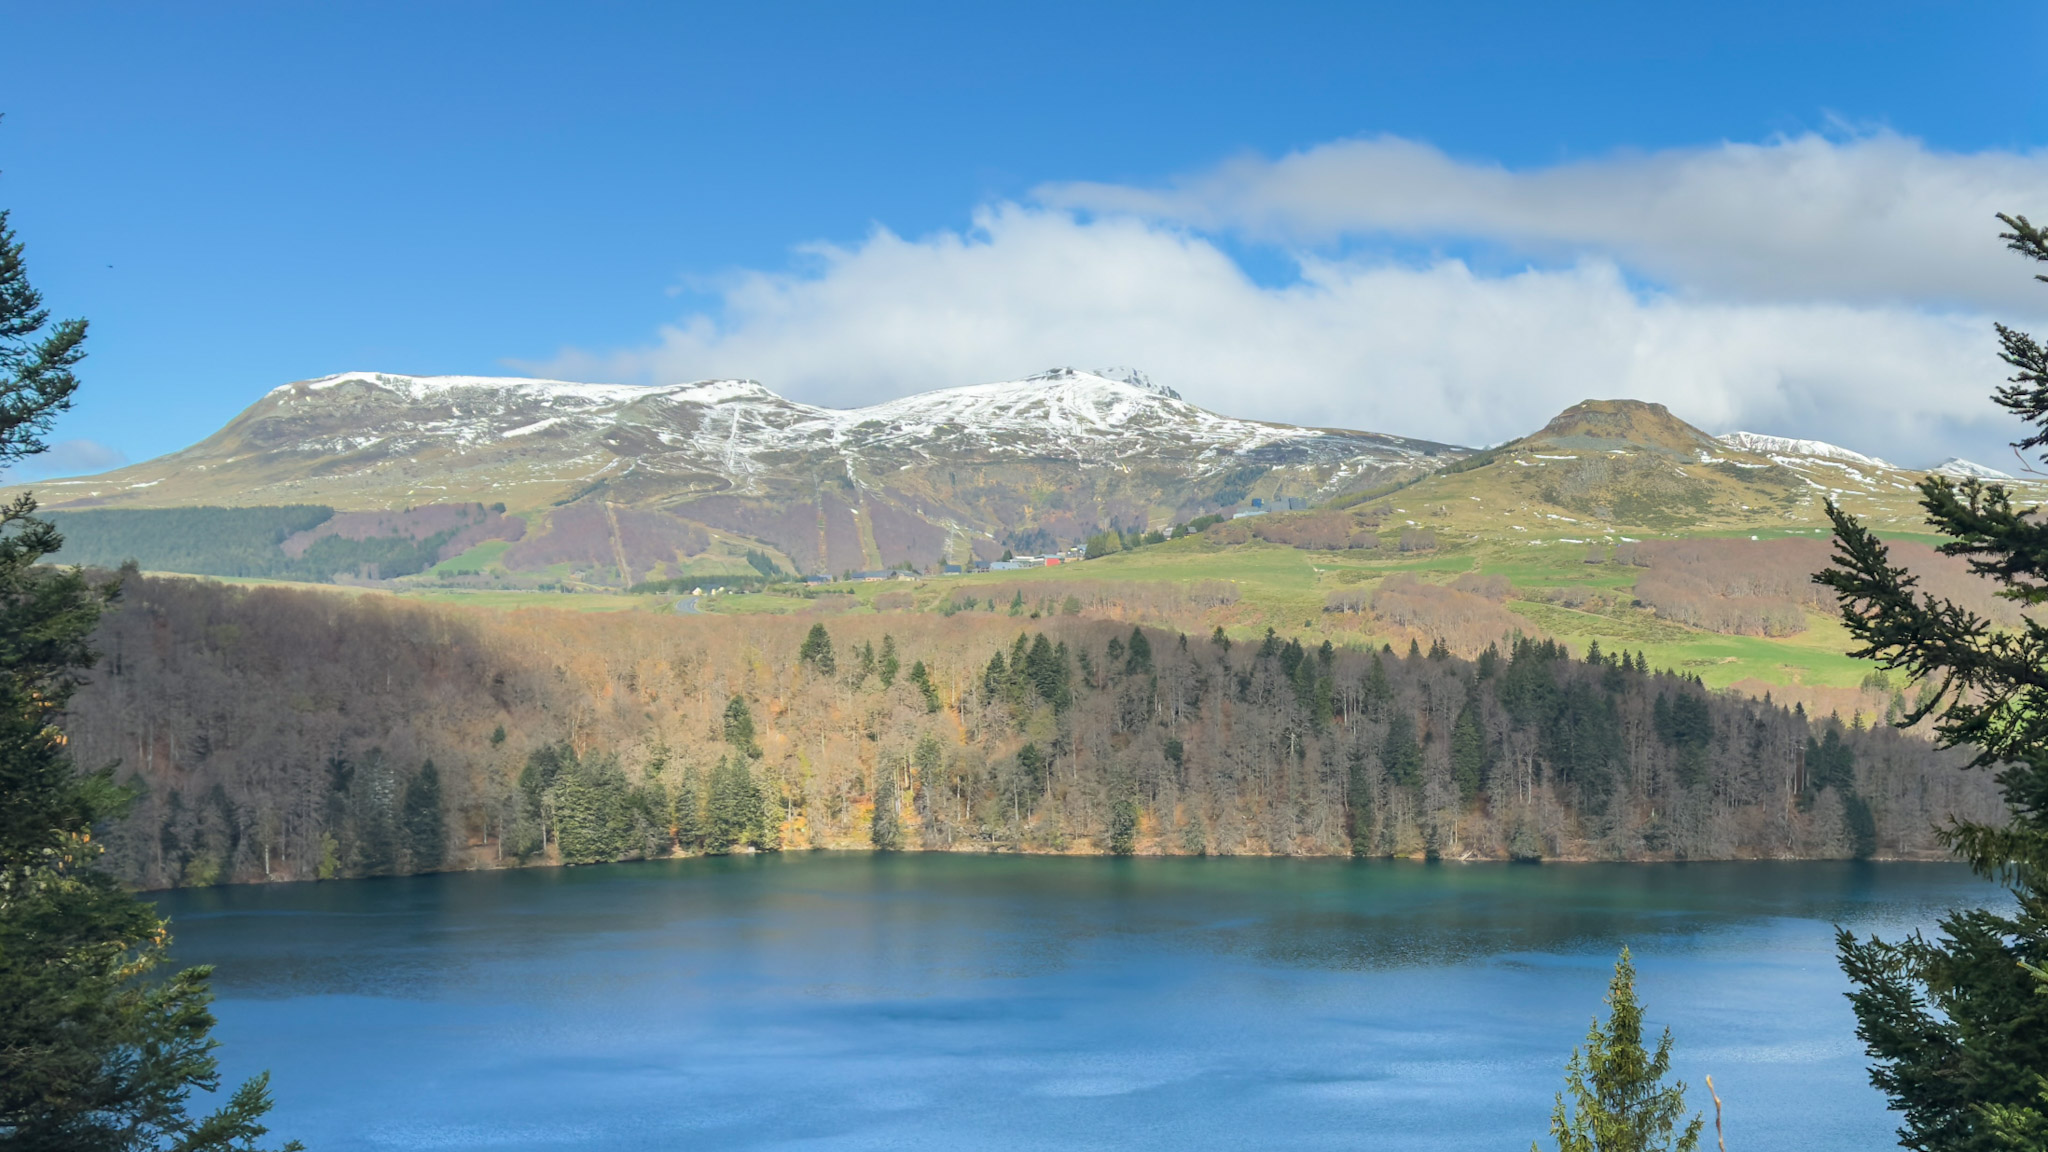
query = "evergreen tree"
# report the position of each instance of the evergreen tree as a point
(1045, 669)
(739, 727)
(1958, 1025)
(1029, 777)
(593, 811)
(95, 1054)
(1378, 689)
(1123, 826)
(735, 807)
(1017, 684)
(890, 664)
(930, 759)
(369, 825)
(1401, 754)
(686, 811)
(1684, 722)
(922, 677)
(1140, 659)
(537, 789)
(885, 830)
(1468, 754)
(649, 809)
(1618, 1099)
(1358, 811)
(817, 650)
(426, 827)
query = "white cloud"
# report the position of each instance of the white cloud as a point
(65, 458)
(1774, 312)
(1873, 218)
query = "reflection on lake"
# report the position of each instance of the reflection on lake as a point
(835, 1001)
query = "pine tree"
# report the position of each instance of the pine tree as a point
(922, 677)
(885, 831)
(1401, 755)
(426, 829)
(739, 727)
(95, 1053)
(686, 811)
(1618, 1099)
(817, 650)
(890, 664)
(735, 810)
(1378, 689)
(1140, 649)
(930, 759)
(1358, 809)
(1468, 754)
(1958, 1025)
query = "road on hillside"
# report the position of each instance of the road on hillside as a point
(687, 606)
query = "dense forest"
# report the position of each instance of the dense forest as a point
(309, 542)
(292, 734)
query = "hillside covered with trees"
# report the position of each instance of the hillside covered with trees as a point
(287, 734)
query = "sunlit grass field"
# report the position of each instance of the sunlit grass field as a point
(1281, 588)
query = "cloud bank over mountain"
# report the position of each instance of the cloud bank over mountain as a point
(1839, 288)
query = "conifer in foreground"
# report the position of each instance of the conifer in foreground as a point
(1958, 1025)
(1618, 1100)
(96, 1055)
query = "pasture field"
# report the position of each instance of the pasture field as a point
(1282, 588)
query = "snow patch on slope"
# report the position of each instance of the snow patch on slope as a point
(419, 388)
(1774, 446)
(738, 427)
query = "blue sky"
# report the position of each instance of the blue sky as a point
(855, 201)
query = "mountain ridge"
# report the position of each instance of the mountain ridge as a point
(1033, 464)
(570, 483)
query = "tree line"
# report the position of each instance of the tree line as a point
(295, 734)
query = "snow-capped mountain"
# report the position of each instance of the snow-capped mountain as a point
(1036, 462)
(1968, 469)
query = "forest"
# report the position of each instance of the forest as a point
(277, 733)
(308, 542)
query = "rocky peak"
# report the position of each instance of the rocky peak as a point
(1604, 424)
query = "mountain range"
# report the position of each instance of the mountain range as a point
(381, 475)
(675, 473)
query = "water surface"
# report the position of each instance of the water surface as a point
(844, 1001)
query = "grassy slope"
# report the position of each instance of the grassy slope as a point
(1284, 589)
(1495, 519)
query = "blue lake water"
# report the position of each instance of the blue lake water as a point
(844, 1001)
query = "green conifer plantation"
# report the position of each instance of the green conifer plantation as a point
(1958, 1025)
(96, 1051)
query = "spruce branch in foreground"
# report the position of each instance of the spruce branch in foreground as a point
(1958, 1025)
(97, 1053)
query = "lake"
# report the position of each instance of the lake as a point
(930, 1001)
